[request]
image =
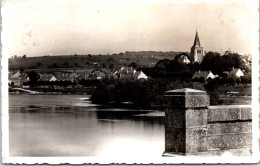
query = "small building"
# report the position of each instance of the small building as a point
(140, 75)
(235, 73)
(62, 76)
(53, 78)
(128, 73)
(17, 79)
(17, 74)
(203, 74)
(82, 76)
(47, 77)
(97, 75)
(73, 77)
(183, 59)
(124, 72)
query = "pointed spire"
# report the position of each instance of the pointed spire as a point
(196, 40)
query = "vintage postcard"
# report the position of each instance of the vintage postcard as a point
(134, 81)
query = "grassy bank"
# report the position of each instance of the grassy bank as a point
(54, 90)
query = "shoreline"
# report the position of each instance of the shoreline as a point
(52, 91)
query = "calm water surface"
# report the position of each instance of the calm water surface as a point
(69, 125)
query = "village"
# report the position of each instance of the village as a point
(197, 68)
(19, 79)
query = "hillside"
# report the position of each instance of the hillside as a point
(142, 58)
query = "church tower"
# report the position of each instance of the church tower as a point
(197, 53)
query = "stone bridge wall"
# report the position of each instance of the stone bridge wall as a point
(192, 127)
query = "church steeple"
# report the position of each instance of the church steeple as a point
(196, 40)
(197, 52)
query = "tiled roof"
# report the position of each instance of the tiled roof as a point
(199, 74)
(46, 77)
(234, 71)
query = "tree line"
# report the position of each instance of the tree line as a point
(212, 61)
(167, 75)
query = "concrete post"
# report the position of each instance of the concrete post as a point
(186, 121)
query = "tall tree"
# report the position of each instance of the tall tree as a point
(232, 60)
(33, 77)
(214, 62)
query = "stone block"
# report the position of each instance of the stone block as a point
(246, 113)
(196, 117)
(175, 118)
(229, 113)
(175, 140)
(194, 101)
(229, 141)
(196, 140)
(223, 114)
(225, 128)
(245, 151)
(187, 98)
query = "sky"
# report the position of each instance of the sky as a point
(68, 27)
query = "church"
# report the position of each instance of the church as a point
(197, 52)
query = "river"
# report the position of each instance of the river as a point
(69, 125)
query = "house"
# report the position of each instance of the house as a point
(123, 73)
(97, 75)
(139, 75)
(203, 74)
(73, 77)
(235, 73)
(17, 79)
(82, 76)
(53, 78)
(183, 59)
(129, 73)
(62, 76)
(17, 74)
(47, 77)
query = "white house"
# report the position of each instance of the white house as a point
(203, 74)
(17, 74)
(183, 59)
(53, 78)
(17, 79)
(140, 75)
(235, 73)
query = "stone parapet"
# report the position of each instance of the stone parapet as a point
(229, 113)
(192, 127)
(186, 121)
(186, 98)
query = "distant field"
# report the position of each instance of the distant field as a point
(90, 61)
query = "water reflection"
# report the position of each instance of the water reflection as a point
(52, 125)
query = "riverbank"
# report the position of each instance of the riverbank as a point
(240, 94)
(54, 90)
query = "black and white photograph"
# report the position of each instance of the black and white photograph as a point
(133, 82)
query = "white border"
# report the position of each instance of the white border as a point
(128, 160)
